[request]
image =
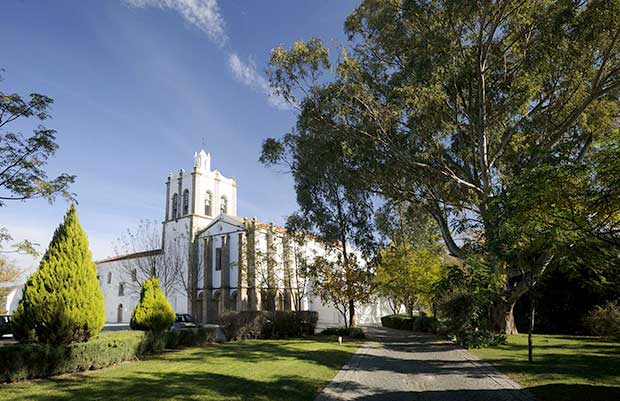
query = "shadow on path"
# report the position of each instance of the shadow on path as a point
(399, 365)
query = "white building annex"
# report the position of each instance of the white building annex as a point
(229, 263)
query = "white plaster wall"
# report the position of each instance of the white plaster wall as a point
(177, 232)
(13, 298)
(218, 231)
(206, 181)
(366, 314)
(111, 297)
(234, 259)
(279, 259)
(217, 274)
(130, 299)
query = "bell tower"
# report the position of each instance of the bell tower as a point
(193, 200)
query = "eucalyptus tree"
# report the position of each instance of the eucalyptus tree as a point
(448, 103)
(334, 210)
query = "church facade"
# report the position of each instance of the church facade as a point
(228, 263)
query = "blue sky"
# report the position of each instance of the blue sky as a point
(139, 86)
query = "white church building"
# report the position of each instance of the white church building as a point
(227, 262)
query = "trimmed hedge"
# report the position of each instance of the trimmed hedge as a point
(478, 339)
(351, 332)
(259, 324)
(422, 323)
(188, 337)
(242, 325)
(292, 324)
(425, 324)
(32, 360)
(400, 322)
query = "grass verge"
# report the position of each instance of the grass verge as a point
(565, 367)
(249, 370)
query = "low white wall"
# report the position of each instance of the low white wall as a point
(13, 298)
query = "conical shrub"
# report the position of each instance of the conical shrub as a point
(62, 301)
(153, 312)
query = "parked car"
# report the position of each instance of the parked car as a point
(5, 325)
(184, 321)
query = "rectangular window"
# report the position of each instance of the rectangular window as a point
(218, 258)
(134, 275)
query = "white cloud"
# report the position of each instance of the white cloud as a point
(205, 14)
(246, 74)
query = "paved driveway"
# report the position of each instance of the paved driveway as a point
(398, 365)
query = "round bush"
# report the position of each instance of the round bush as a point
(604, 321)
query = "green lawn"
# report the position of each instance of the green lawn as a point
(565, 367)
(256, 370)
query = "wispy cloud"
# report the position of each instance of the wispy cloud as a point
(246, 74)
(205, 14)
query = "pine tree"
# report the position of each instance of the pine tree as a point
(153, 312)
(62, 301)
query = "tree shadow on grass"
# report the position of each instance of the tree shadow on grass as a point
(546, 346)
(182, 386)
(260, 351)
(575, 392)
(190, 378)
(592, 365)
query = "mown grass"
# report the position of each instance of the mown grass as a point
(565, 368)
(250, 370)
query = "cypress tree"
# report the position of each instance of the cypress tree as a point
(62, 301)
(153, 312)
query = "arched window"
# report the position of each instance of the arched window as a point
(185, 202)
(208, 202)
(223, 205)
(175, 200)
(121, 289)
(109, 277)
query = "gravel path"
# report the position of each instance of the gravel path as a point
(396, 365)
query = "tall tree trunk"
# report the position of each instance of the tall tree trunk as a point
(394, 306)
(351, 313)
(530, 330)
(344, 314)
(410, 309)
(503, 317)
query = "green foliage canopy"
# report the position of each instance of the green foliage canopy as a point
(23, 159)
(333, 209)
(449, 104)
(407, 276)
